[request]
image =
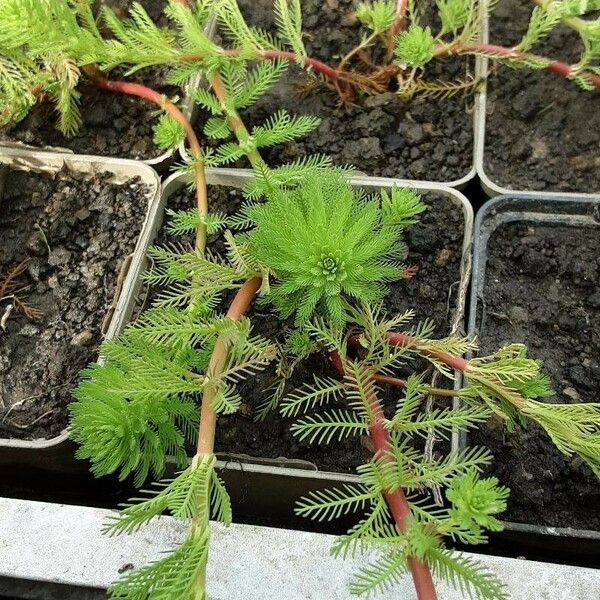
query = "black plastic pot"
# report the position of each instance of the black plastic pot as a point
(568, 544)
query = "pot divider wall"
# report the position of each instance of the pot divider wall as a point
(56, 454)
(482, 105)
(531, 211)
(269, 487)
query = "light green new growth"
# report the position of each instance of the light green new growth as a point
(325, 240)
(414, 47)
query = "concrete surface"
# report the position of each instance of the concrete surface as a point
(64, 545)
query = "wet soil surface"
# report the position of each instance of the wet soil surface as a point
(71, 233)
(541, 129)
(424, 139)
(435, 245)
(542, 288)
(112, 124)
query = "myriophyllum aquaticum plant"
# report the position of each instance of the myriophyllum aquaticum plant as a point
(322, 255)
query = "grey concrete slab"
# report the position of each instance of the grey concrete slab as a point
(63, 544)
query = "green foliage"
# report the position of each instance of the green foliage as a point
(172, 578)
(187, 221)
(323, 239)
(288, 17)
(287, 176)
(40, 46)
(414, 46)
(475, 501)
(378, 16)
(44, 45)
(466, 575)
(281, 127)
(325, 253)
(509, 383)
(454, 14)
(347, 407)
(168, 133)
(139, 405)
(506, 383)
(196, 489)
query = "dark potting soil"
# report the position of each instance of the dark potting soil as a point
(112, 124)
(435, 245)
(541, 129)
(74, 232)
(542, 288)
(424, 139)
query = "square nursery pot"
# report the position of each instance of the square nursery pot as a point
(535, 281)
(72, 250)
(425, 140)
(535, 131)
(123, 113)
(266, 487)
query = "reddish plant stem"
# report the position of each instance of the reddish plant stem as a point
(336, 362)
(556, 67)
(208, 416)
(399, 339)
(312, 63)
(401, 7)
(397, 502)
(559, 68)
(401, 383)
(141, 91)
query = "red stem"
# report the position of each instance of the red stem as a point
(313, 63)
(208, 416)
(559, 68)
(397, 501)
(334, 359)
(401, 6)
(454, 362)
(135, 89)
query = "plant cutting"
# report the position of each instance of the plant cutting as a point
(322, 254)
